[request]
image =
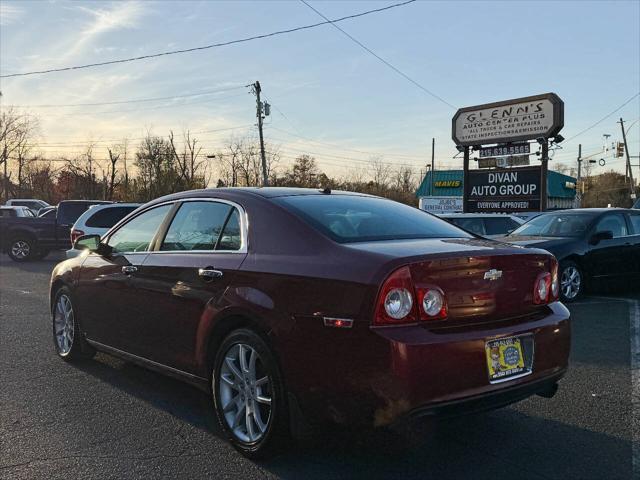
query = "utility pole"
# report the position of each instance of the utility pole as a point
(632, 185)
(256, 91)
(433, 165)
(579, 180)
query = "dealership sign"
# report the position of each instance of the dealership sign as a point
(439, 205)
(517, 120)
(504, 190)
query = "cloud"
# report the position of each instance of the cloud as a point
(118, 16)
(9, 13)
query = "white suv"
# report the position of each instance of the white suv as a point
(97, 220)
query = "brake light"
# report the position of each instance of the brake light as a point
(555, 281)
(396, 299)
(76, 234)
(431, 304)
(542, 288)
(400, 302)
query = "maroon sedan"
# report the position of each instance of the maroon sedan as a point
(299, 307)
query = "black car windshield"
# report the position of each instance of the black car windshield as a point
(351, 218)
(555, 225)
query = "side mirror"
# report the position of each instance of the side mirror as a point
(599, 236)
(88, 242)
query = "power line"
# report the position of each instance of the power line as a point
(135, 100)
(206, 47)
(395, 69)
(602, 119)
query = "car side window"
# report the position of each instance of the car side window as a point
(136, 235)
(231, 238)
(196, 226)
(614, 223)
(634, 218)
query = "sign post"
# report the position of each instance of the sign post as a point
(509, 125)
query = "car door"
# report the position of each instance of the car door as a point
(184, 278)
(609, 258)
(108, 301)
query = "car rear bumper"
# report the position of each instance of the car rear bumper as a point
(410, 371)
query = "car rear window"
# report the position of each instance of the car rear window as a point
(499, 225)
(352, 218)
(69, 212)
(108, 217)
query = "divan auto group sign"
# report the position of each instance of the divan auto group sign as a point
(504, 190)
(516, 120)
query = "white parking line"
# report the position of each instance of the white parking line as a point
(634, 320)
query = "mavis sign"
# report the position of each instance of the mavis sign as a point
(504, 190)
(516, 120)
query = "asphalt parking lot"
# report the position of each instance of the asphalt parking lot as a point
(105, 418)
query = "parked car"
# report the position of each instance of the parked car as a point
(33, 238)
(97, 220)
(31, 203)
(299, 307)
(16, 212)
(637, 204)
(595, 246)
(526, 216)
(489, 225)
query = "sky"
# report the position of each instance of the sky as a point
(330, 98)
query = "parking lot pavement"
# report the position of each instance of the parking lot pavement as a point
(106, 418)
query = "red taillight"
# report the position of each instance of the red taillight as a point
(555, 282)
(432, 304)
(76, 234)
(397, 303)
(542, 288)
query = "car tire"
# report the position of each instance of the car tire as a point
(68, 341)
(572, 281)
(249, 396)
(22, 248)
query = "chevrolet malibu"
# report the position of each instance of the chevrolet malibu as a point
(296, 308)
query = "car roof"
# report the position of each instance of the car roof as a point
(261, 192)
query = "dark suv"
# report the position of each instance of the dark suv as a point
(27, 238)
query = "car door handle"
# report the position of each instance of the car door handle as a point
(209, 273)
(129, 269)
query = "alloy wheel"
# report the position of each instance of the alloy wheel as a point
(244, 390)
(570, 282)
(63, 324)
(20, 249)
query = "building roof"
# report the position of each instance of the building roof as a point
(441, 176)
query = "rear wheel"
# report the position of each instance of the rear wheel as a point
(22, 248)
(248, 394)
(571, 281)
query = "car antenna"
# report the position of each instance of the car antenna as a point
(326, 190)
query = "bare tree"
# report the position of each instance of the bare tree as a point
(17, 131)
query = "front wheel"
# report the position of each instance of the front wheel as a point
(248, 394)
(571, 281)
(67, 337)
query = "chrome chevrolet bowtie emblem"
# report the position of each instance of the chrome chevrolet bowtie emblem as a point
(493, 274)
